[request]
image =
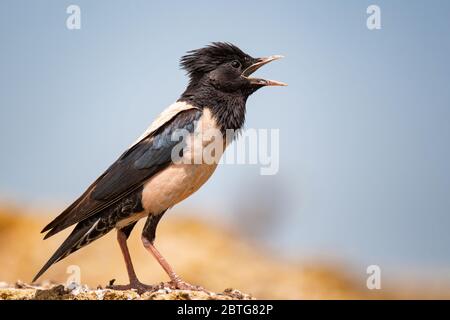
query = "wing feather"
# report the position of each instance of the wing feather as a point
(141, 161)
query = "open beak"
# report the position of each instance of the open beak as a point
(258, 64)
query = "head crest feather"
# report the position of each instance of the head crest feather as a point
(201, 61)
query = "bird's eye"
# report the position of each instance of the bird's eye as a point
(235, 64)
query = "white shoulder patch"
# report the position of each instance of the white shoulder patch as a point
(164, 117)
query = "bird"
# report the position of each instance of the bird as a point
(149, 178)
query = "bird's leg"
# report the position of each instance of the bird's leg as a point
(163, 262)
(175, 280)
(148, 236)
(134, 281)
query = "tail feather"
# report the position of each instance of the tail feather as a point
(91, 228)
(53, 231)
(82, 235)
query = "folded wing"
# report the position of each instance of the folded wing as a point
(145, 158)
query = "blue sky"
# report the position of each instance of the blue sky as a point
(364, 122)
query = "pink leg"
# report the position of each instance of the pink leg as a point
(175, 279)
(134, 281)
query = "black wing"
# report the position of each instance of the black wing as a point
(129, 172)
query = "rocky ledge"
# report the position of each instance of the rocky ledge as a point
(23, 291)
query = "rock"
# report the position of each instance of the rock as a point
(23, 291)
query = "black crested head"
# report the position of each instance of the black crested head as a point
(220, 79)
(202, 61)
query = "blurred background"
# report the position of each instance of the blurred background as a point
(364, 158)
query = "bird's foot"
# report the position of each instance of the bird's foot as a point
(133, 285)
(182, 285)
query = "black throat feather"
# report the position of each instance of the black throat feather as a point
(228, 109)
